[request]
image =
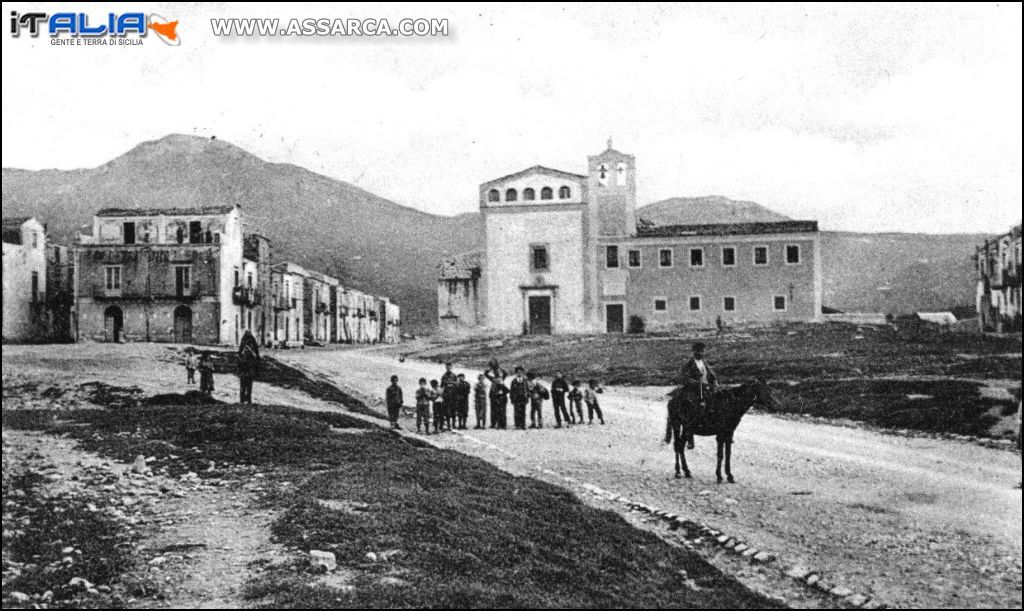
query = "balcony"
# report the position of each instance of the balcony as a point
(246, 296)
(100, 293)
(323, 308)
(283, 303)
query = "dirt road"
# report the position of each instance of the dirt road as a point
(913, 522)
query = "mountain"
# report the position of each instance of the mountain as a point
(707, 209)
(367, 241)
(376, 245)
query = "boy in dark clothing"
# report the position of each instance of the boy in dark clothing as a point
(576, 403)
(248, 366)
(480, 401)
(437, 406)
(538, 393)
(465, 389)
(451, 404)
(393, 399)
(424, 397)
(499, 404)
(590, 396)
(559, 388)
(448, 378)
(519, 393)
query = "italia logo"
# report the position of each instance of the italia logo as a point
(82, 25)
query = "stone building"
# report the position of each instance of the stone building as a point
(24, 280)
(317, 291)
(61, 319)
(288, 294)
(253, 294)
(998, 265)
(565, 253)
(160, 275)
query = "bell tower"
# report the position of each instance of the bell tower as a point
(611, 185)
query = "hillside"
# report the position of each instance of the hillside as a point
(377, 245)
(369, 242)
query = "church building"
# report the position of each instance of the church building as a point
(568, 253)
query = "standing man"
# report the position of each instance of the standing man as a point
(464, 390)
(499, 404)
(248, 366)
(191, 364)
(393, 399)
(560, 388)
(480, 401)
(699, 384)
(448, 378)
(519, 393)
(538, 394)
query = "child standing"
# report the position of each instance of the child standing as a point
(480, 401)
(437, 406)
(590, 396)
(393, 400)
(205, 367)
(464, 390)
(576, 403)
(499, 403)
(191, 364)
(424, 397)
(538, 393)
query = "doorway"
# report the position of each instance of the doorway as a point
(183, 325)
(540, 315)
(113, 324)
(615, 318)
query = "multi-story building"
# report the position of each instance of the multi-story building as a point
(24, 279)
(392, 330)
(252, 289)
(287, 290)
(162, 275)
(318, 313)
(564, 253)
(998, 265)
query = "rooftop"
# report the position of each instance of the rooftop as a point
(197, 211)
(721, 229)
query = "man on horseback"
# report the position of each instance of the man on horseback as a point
(699, 384)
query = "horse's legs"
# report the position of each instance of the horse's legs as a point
(682, 454)
(718, 467)
(728, 462)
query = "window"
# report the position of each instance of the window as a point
(760, 255)
(611, 256)
(728, 304)
(634, 258)
(35, 287)
(696, 257)
(694, 304)
(660, 304)
(546, 193)
(564, 192)
(237, 283)
(602, 174)
(182, 280)
(112, 278)
(792, 254)
(728, 256)
(129, 233)
(539, 258)
(665, 257)
(511, 195)
(493, 195)
(248, 280)
(620, 174)
(529, 194)
(779, 303)
(35, 239)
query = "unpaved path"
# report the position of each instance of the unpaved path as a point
(913, 522)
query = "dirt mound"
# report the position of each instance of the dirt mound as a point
(192, 397)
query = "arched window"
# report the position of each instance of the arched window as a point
(529, 194)
(564, 192)
(620, 174)
(511, 195)
(602, 174)
(493, 195)
(546, 193)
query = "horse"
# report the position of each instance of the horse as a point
(727, 407)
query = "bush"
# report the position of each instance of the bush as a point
(636, 324)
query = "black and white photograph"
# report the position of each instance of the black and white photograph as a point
(512, 305)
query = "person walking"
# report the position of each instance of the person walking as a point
(248, 366)
(576, 403)
(519, 393)
(590, 397)
(559, 390)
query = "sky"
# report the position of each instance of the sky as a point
(864, 117)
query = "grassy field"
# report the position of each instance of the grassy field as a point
(470, 535)
(899, 378)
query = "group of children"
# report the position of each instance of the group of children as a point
(445, 402)
(204, 365)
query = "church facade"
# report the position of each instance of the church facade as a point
(565, 253)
